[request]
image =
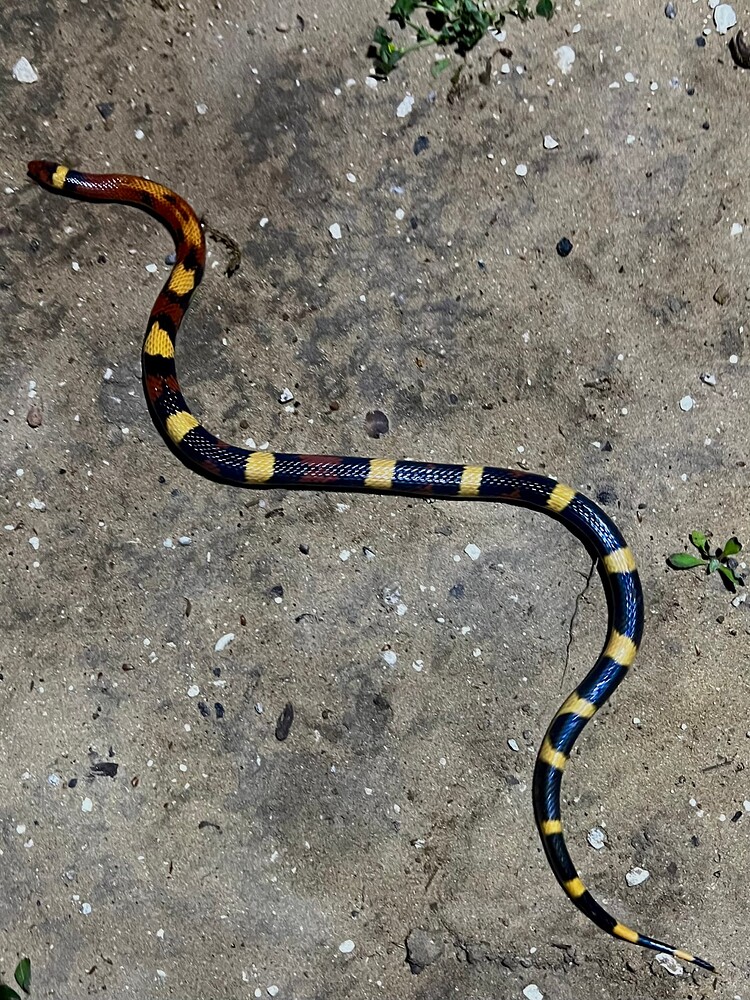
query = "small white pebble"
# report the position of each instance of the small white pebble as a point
(272, 991)
(75, 265)
(629, 78)
(263, 222)
(344, 555)
(521, 170)
(193, 691)
(87, 805)
(532, 992)
(201, 108)
(286, 395)
(346, 947)
(405, 106)
(34, 543)
(708, 378)
(733, 359)
(736, 229)
(637, 875)
(565, 56)
(86, 909)
(473, 551)
(418, 665)
(24, 72)
(223, 642)
(139, 134)
(513, 745)
(390, 657)
(152, 268)
(687, 403)
(352, 178)
(724, 18)
(335, 230)
(550, 142)
(597, 838)
(185, 540)
(41, 505)
(670, 965)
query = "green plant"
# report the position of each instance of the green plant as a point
(22, 976)
(722, 559)
(457, 24)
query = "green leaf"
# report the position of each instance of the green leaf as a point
(423, 34)
(402, 10)
(731, 547)
(23, 974)
(699, 540)
(730, 581)
(683, 560)
(385, 55)
(439, 65)
(545, 8)
(6, 993)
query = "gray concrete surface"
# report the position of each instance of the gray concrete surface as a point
(215, 861)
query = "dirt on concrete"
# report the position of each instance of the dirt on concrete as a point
(156, 838)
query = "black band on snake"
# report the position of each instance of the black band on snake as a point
(201, 450)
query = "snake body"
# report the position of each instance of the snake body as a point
(203, 451)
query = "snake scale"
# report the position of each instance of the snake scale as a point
(201, 450)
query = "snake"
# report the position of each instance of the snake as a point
(207, 454)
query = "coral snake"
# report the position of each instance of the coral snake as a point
(201, 450)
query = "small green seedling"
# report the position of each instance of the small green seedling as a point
(722, 559)
(22, 976)
(457, 24)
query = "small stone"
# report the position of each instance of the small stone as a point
(521, 170)
(513, 745)
(202, 109)
(421, 143)
(636, 876)
(564, 247)
(282, 27)
(473, 551)
(376, 423)
(708, 378)
(193, 691)
(670, 964)
(550, 142)
(687, 403)
(565, 56)
(346, 947)
(87, 805)
(724, 18)
(224, 642)
(405, 107)
(421, 950)
(721, 295)
(597, 838)
(736, 229)
(532, 992)
(105, 109)
(335, 231)
(24, 72)
(671, 11)
(286, 395)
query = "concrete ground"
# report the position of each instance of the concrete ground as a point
(157, 839)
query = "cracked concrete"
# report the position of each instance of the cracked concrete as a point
(157, 838)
